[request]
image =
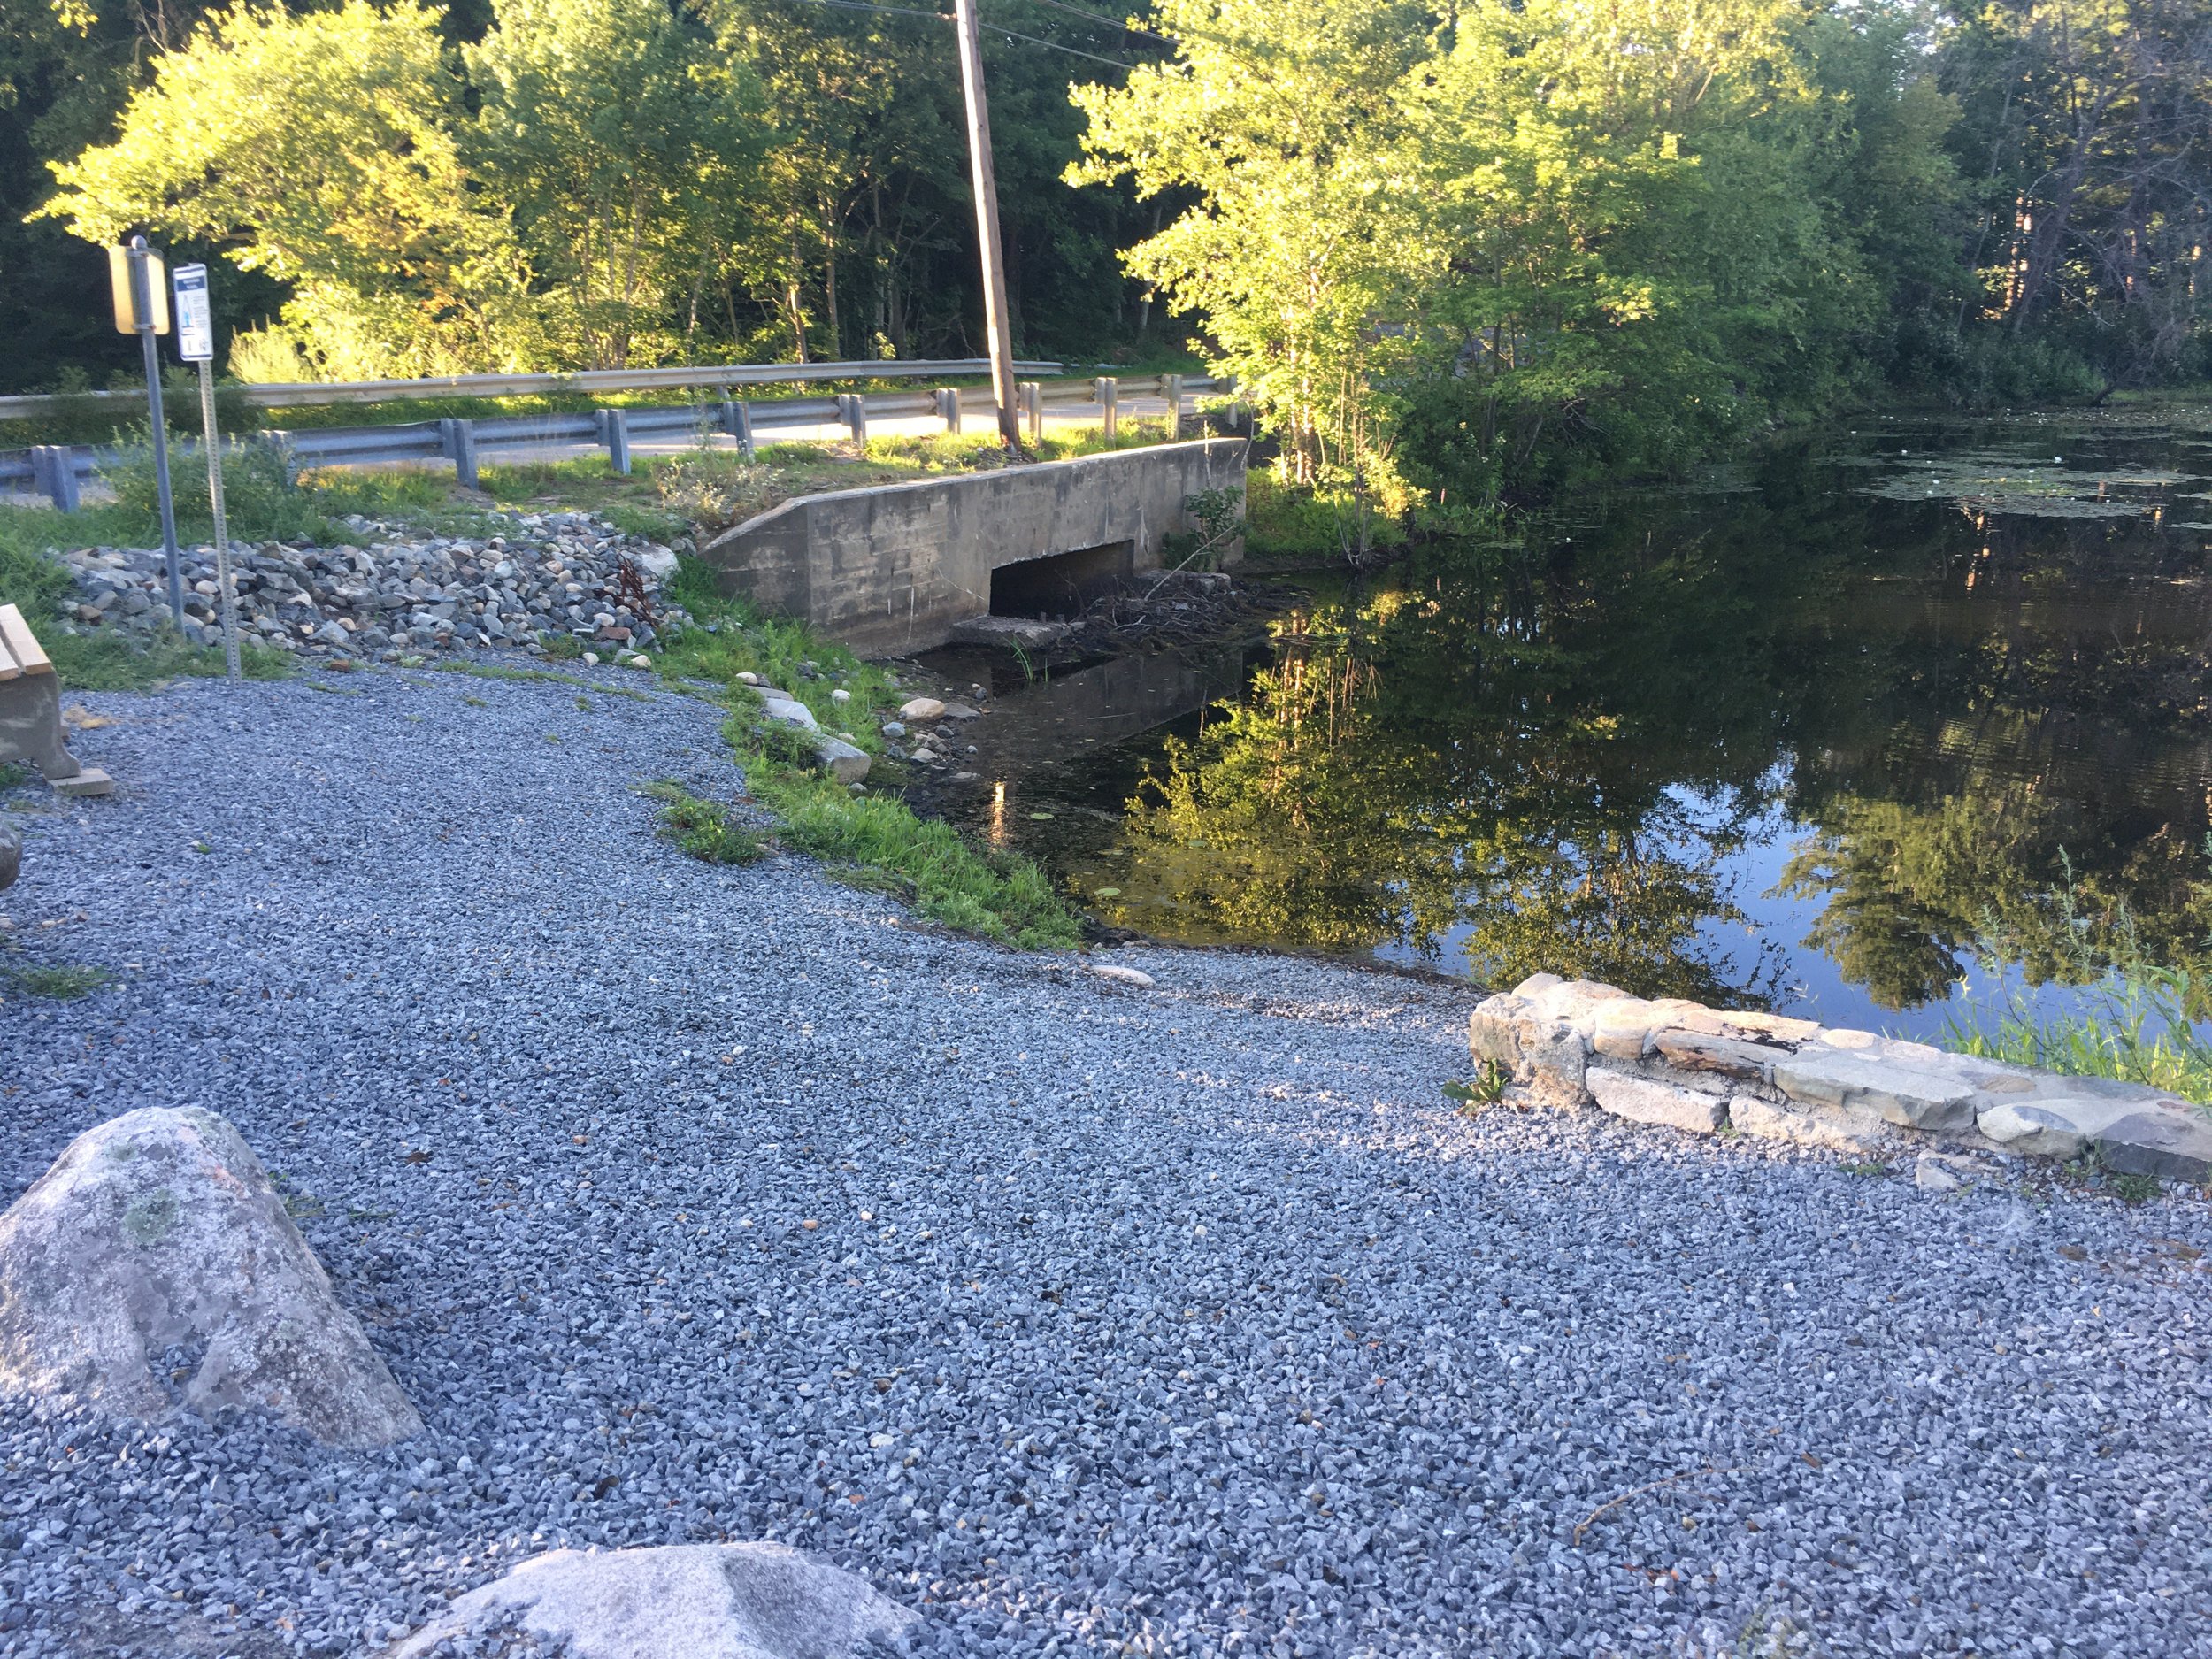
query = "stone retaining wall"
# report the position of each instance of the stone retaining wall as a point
(1576, 1043)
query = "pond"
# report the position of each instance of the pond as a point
(1872, 730)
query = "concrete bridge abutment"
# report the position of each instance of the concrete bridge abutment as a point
(895, 567)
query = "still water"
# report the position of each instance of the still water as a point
(1874, 730)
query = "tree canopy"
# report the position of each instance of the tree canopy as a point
(1453, 254)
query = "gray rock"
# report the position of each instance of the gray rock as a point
(2047, 1128)
(844, 760)
(10, 853)
(655, 561)
(159, 1231)
(679, 1601)
(1931, 1174)
(1031, 634)
(789, 711)
(1824, 1076)
(2168, 1139)
(1765, 1121)
(1641, 1100)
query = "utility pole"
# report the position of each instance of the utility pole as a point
(994, 320)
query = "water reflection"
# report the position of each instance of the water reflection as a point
(1837, 734)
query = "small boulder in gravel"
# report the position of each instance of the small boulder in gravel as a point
(154, 1266)
(1122, 975)
(676, 1601)
(10, 853)
(921, 708)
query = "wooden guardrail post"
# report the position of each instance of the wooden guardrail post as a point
(456, 442)
(54, 474)
(949, 407)
(1171, 388)
(1029, 398)
(614, 432)
(1108, 391)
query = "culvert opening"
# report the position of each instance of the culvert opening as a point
(1060, 584)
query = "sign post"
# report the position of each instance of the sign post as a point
(141, 308)
(196, 344)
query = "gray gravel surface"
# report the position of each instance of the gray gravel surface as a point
(693, 1203)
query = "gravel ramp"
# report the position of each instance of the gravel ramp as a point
(693, 1203)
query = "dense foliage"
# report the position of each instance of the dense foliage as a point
(1479, 249)
(407, 188)
(1454, 253)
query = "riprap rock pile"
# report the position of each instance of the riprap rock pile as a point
(398, 591)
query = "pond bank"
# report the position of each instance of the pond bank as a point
(692, 1202)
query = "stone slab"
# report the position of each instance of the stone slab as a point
(1642, 1101)
(1939, 1102)
(1764, 1120)
(1694, 1051)
(2166, 1138)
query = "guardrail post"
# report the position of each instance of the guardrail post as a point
(457, 441)
(949, 407)
(614, 433)
(1109, 394)
(1029, 398)
(54, 473)
(852, 409)
(1171, 388)
(737, 420)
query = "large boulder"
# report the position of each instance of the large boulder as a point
(677, 1602)
(154, 1267)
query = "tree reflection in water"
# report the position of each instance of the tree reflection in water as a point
(1563, 756)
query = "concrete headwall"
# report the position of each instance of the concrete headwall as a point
(892, 568)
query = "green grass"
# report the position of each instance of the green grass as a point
(1288, 522)
(64, 983)
(877, 841)
(703, 828)
(2141, 1025)
(873, 839)
(2140, 1032)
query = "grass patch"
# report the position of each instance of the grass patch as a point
(63, 983)
(873, 839)
(2133, 1189)
(704, 829)
(2142, 1026)
(877, 841)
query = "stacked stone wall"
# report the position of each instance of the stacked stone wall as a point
(1574, 1043)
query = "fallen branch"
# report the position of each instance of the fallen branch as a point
(1592, 1519)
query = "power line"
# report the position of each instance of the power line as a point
(942, 16)
(1104, 21)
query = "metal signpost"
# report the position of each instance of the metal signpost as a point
(141, 308)
(196, 344)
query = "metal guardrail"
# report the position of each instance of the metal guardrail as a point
(58, 471)
(312, 393)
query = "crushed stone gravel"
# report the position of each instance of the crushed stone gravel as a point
(692, 1203)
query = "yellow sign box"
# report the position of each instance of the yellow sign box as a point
(119, 284)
